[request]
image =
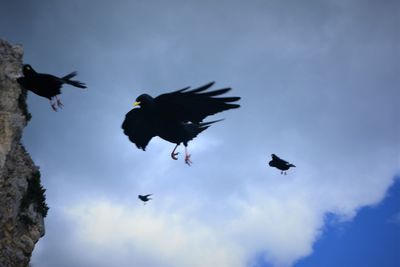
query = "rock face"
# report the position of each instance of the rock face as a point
(22, 199)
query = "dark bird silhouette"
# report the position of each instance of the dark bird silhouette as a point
(144, 198)
(47, 85)
(176, 117)
(280, 164)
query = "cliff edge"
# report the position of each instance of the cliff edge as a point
(22, 199)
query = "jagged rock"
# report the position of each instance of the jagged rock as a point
(22, 200)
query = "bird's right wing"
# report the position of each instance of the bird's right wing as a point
(137, 126)
(196, 104)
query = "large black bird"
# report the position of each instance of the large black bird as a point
(280, 164)
(47, 85)
(144, 198)
(176, 117)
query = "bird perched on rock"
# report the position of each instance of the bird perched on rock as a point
(144, 198)
(280, 164)
(47, 85)
(176, 117)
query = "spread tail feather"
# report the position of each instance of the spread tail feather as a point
(194, 129)
(207, 124)
(67, 79)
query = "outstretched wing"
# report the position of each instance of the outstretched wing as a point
(276, 158)
(194, 105)
(137, 126)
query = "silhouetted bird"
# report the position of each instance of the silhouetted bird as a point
(175, 117)
(47, 85)
(144, 198)
(280, 164)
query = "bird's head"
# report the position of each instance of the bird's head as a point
(144, 101)
(27, 70)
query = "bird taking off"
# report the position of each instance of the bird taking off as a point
(47, 85)
(176, 117)
(280, 164)
(144, 198)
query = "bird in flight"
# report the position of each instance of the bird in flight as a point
(47, 85)
(176, 117)
(144, 198)
(280, 164)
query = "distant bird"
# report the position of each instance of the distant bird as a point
(144, 198)
(175, 117)
(47, 85)
(280, 164)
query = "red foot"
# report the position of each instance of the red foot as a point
(53, 106)
(59, 104)
(187, 159)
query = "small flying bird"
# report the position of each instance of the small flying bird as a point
(144, 198)
(176, 117)
(280, 164)
(47, 85)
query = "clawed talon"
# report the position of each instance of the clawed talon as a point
(187, 160)
(53, 106)
(187, 157)
(59, 104)
(173, 155)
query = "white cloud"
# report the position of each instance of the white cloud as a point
(139, 235)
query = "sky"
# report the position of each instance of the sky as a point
(320, 88)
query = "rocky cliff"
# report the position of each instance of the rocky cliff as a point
(22, 199)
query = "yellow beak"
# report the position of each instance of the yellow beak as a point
(137, 103)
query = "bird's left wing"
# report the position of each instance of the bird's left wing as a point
(196, 104)
(137, 126)
(275, 157)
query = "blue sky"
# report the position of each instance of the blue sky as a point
(372, 238)
(319, 85)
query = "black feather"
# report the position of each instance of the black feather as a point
(177, 116)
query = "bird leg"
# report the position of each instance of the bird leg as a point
(59, 104)
(53, 105)
(173, 154)
(187, 157)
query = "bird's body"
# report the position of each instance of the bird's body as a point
(46, 85)
(144, 198)
(175, 117)
(280, 164)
